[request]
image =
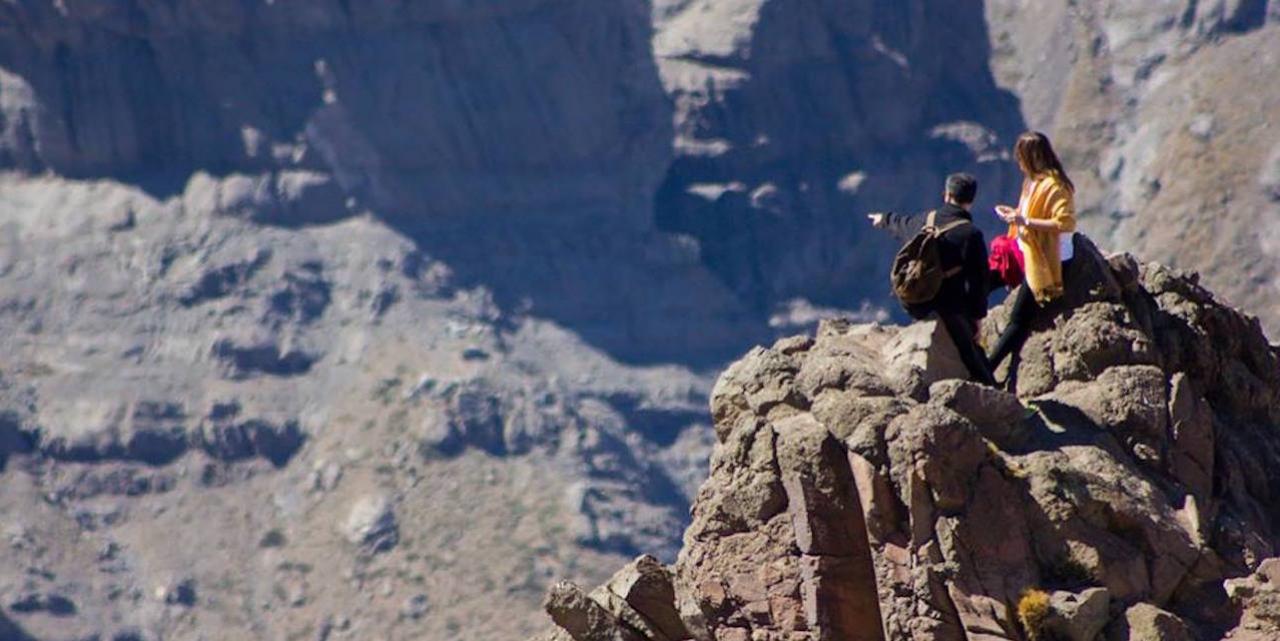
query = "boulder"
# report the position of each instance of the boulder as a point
(843, 359)
(918, 356)
(1146, 622)
(1035, 374)
(998, 415)
(939, 448)
(1079, 616)
(1115, 527)
(1269, 572)
(744, 490)
(1130, 401)
(1193, 444)
(371, 524)
(626, 616)
(983, 618)
(647, 586)
(840, 597)
(860, 421)
(880, 507)
(838, 584)
(1095, 337)
(1089, 277)
(1258, 597)
(582, 618)
(826, 517)
(760, 381)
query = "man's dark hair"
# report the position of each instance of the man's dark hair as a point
(962, 187)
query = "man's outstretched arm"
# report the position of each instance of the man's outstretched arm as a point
(901, 226)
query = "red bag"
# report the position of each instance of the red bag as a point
(1006, 260)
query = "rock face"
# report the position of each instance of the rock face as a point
(140, 88)
(784, 126)
(753, 129)
(853, 510)
(1259, 597)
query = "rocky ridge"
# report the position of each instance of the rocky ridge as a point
(860, 490)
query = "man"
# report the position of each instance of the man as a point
(961, 304)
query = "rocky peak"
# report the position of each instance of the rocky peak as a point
(859, 490)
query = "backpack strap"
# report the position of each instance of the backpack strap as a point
(955, 225)
(931, 220)
(944, 229)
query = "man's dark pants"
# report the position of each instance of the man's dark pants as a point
(962, 331)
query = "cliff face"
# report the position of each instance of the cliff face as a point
(402, 106)
(791, 120)
(754, 128)
(858, 491)
(519, 142)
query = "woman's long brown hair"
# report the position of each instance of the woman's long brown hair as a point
(1036, 157)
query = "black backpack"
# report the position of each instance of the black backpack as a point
(917, 273)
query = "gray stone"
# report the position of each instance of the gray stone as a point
(582, 617)
(998, 415)
(646, 585)
(1146, 622)
(371, 524)
(1193, 439)
(919, 356)
(1131, 401)
(1079, 617)
(759, 381)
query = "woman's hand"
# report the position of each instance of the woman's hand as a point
(1012, 216)
(1007, 214)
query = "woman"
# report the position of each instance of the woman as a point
(1043, 224)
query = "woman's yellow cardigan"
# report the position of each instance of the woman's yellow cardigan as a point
(1049, 198)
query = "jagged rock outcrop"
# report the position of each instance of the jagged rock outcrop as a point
(1113, 494)
(637, 603)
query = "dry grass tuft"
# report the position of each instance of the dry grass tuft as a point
(1033, 610)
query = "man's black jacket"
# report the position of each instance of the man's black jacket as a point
(964, 247)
